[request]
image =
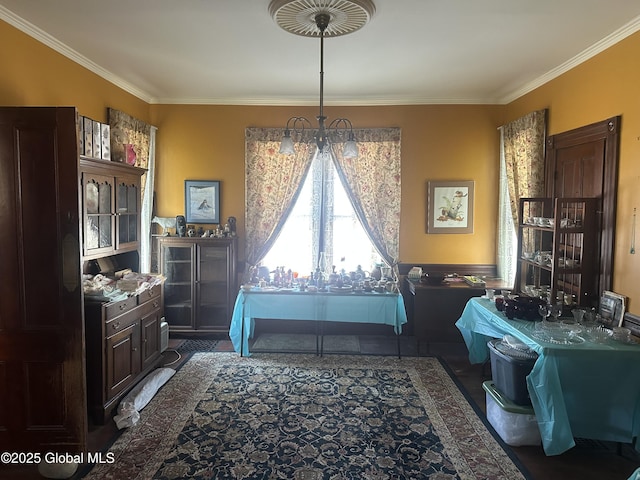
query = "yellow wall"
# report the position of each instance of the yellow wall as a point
(605, 86)
(440, 142)
(33, 74)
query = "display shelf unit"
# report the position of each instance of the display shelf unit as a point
(557, 249)
(111, 200)
(200, 284)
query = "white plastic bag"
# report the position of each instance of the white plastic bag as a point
(130, 406)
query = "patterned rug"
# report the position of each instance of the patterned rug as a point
(295, 343)
(302, 417)
(197, 345)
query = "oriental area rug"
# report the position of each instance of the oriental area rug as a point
(303, 417)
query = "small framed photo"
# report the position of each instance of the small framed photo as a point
(450, 206)
(612, 308)
(202, 201)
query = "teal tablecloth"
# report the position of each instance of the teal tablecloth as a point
(380, 308)
(589, 390)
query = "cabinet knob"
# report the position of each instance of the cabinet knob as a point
(134, 349)
(155, 304)
(115, 325)
(123, 306)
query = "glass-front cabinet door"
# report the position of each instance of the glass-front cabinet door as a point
(213, 287)
(177, 267)
(98, 213)
(127, 210)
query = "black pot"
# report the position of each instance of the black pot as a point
(432, 278)
(524, 308)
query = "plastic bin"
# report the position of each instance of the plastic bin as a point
(509, 370)
(516, 424)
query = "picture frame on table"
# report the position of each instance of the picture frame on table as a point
(450, 206)
(612, 308)
(202, 201)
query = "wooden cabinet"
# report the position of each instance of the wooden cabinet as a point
(111, 207)
(558, 249)
(123, 345)
(42, 377)
(200, 286)
(434, 310)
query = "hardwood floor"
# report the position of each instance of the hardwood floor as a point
(588, 460)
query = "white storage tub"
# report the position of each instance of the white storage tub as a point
(516, 424)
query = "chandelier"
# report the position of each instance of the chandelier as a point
(321, 18)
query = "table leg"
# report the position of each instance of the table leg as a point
(398, 340)
(242, 329)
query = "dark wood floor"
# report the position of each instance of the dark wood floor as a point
(589, 460)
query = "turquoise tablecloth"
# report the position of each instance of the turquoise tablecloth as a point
(381, 308)
(588, 390)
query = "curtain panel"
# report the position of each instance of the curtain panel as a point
(272, 184)
(373, 184)
(522, 175)
(127, 130)
(524, 157)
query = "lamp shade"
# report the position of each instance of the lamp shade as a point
(286, 144)
(350, 149)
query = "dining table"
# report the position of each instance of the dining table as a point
(584, 383)
(386, 308)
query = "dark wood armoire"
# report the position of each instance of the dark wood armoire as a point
(42, 378)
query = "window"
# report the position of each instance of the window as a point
(322, 220)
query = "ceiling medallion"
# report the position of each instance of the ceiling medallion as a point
(299, 16)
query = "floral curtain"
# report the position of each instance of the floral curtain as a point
(372, 182)
(127, 130)
(272, 184)
(522, 157)
(133, 142)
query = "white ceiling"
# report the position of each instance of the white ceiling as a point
(411, 52)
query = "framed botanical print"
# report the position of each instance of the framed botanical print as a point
(450, 206)
(202, 201)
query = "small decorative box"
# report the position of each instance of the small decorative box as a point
(106, 141)
(88, 136)
(80, 124)
(97, 141)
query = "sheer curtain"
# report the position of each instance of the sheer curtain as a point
(147, 204)
(272, 184)
(521, 175)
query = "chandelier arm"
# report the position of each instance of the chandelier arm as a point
(340, 126)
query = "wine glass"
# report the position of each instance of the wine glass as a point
(544, 310)
(556, 311)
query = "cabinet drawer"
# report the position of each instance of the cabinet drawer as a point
(148, 307)
(114, 309)
(119, 323)
(150, 295)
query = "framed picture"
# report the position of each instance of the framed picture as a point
(202, 201)
(612, 308)
(450, 207)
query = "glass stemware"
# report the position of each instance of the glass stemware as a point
(544, 311)
(556, 311)
(578, 315)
